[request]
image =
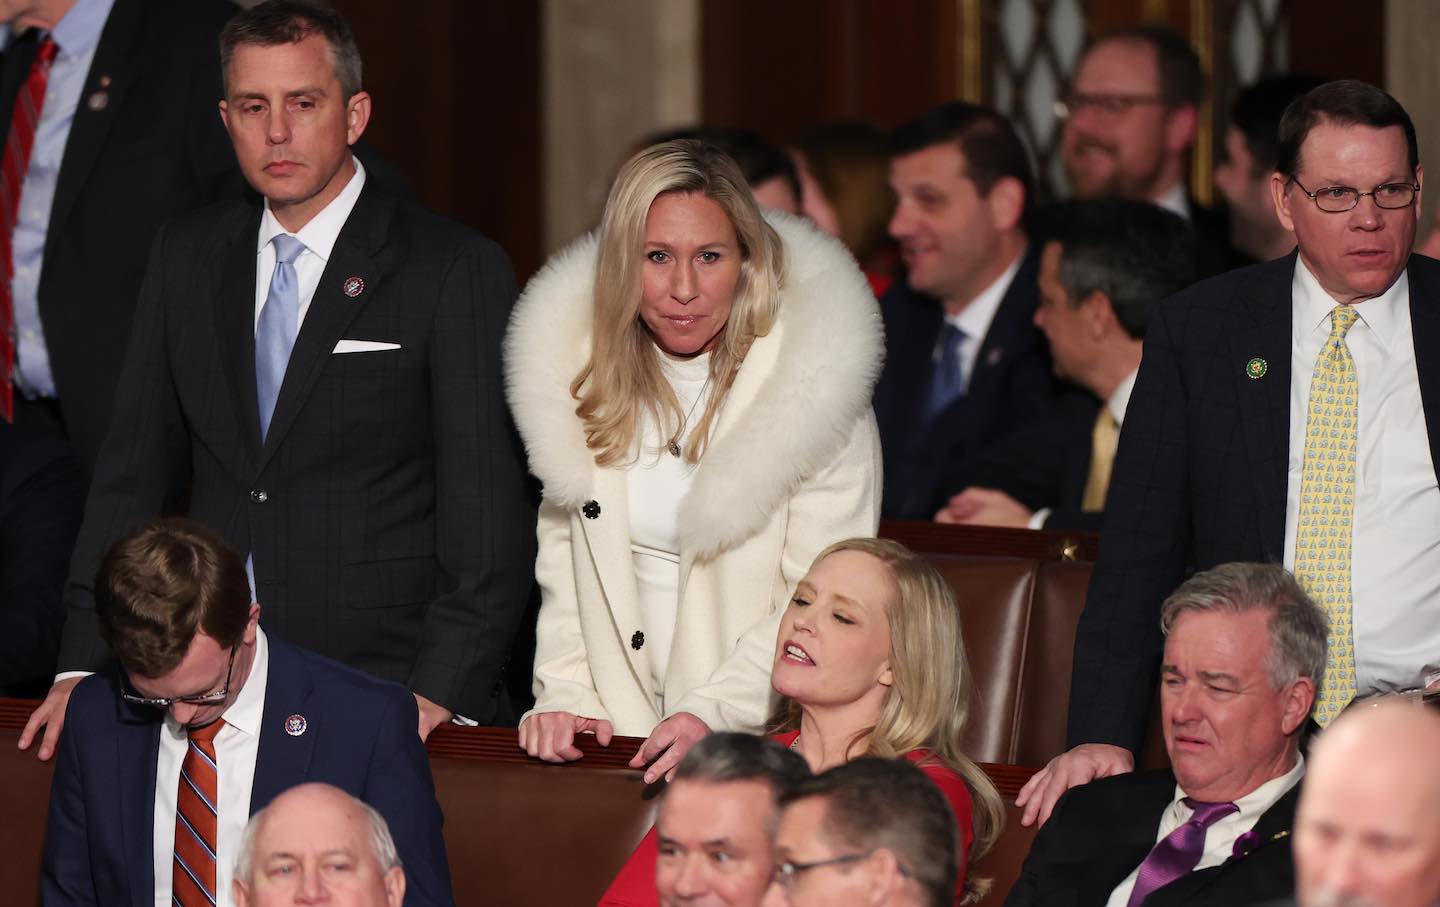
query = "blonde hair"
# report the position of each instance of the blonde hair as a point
(623, 381)
(928, 701)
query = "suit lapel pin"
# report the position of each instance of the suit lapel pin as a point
(98, 100)
(1256, 368)
(994, 357)
(354, 286)
(295, 725)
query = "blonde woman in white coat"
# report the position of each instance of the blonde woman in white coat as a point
(693, 386)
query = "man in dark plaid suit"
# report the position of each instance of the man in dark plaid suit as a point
(1225, 430)
(322, 374)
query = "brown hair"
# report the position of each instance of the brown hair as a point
(161, 585)
(927, 704)
(276, 22)
(851, 164)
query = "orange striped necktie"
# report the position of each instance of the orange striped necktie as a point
(193, 884)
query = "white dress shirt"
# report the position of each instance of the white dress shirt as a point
(1219, 838)
(1176, 200)
(1395, 553)
(656, 483)
(974, 320)
(318, 236)
(236, 747)
(1118, 402)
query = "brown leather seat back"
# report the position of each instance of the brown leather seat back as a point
(1044, 694)
(994, 597)
(23, 808)
(1002, 863)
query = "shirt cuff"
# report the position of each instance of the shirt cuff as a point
(1038, 518)
(66, 675)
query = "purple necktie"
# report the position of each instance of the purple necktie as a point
(1178, 853)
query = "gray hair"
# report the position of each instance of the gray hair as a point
(380, 839)
(1298, 630)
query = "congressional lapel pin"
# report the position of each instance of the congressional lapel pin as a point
(1256, 368)
(295, 725)
(354, 286)
(994, 357)
(98, 100)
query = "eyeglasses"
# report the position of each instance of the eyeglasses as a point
(1339, 199)
(786, 872)
(203, 699)
(1110, 105)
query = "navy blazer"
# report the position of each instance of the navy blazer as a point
(1010, 381)
(1099, 832)
(361, 736)
(1200, 475)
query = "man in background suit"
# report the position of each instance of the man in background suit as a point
(207, 721)
(1244, 650)
(964, 364)
(1131, 119)
(1105, 263)
(1290, 413)
(371, 474)
(125, 138)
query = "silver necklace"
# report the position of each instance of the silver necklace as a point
(674, 446)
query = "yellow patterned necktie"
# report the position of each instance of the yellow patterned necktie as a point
(1327, 506)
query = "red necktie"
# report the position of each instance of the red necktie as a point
(193, 884)
(18, 143)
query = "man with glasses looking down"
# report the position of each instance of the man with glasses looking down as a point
(869, 833)
(204, 723)
(1288, 413)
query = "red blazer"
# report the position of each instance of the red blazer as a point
(635, 885)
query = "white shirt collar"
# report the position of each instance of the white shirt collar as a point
(974, 320)
(247, 711)
(1120, 400)
(1313, 306)
(1176, 199)
(320, 233)
(1254, 804)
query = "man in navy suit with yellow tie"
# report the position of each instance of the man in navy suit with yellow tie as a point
(206, 721)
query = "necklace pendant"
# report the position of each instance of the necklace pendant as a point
(674, 449)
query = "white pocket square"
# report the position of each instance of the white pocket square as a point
(364, 346)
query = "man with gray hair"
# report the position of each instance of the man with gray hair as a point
(317, 844)
(712, 844)
(1244, 650)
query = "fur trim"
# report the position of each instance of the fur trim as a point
(831, 348)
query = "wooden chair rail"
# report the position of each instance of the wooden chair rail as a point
(991, 541)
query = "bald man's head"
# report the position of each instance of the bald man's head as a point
(1368, 828)
(316, 842)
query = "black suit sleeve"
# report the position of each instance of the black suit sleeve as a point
(484, 517)
(1142, 557)
(401, 789)
(1039, 862)
(144, 464)
(40, 505)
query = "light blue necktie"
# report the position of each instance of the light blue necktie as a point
(947, 381)
(275, 335)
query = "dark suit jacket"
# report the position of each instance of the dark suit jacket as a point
(1201, 472)
(1214, 253)
(156, 148)
(1099, 832)
(360, 737)
(387, 510)
(1043, 463)
(42, 492)
(1011, 380)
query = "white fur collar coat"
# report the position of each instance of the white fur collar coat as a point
(793, 464)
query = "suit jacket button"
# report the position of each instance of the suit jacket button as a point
(591, 510)
(259, 496)
(637, 640)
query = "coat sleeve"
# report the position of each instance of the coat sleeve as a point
(1038, 862)
(1143, 551)
(482, 505)
(143, 465)
(400, 787)
(65, 877)
(840, 501)
(563, 682)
